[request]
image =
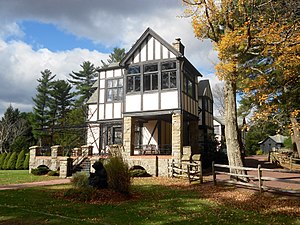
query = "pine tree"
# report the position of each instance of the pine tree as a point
(11, 164)
(116, 56)
(26, 162)
(41, 117)
(5, 163)
(20, 160)
(83, 82)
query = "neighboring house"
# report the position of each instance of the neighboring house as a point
(219, 131)
(272, 143)
(151, 102)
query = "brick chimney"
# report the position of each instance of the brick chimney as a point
(178, 46)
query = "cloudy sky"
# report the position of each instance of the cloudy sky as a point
(60, 34)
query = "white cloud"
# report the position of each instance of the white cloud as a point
(21, 66)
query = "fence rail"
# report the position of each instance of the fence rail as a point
(258, 179)
(190, 170)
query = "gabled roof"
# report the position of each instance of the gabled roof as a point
(148, 32)
(203, 87)
(278, 139)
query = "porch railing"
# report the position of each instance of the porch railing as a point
(152, 149)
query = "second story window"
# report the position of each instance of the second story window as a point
(168, 75)
(133, 79)
(114, 90)
(150, 78)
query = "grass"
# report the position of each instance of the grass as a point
(20, 176)
(155, 201)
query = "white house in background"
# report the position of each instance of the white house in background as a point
(150, 102)
(272, 142)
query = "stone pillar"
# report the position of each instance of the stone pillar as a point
(186, 153)
(128, 135)
(177, 136)
(193, 139)
(56, 151)
(33, 152)
(87, 150)
(65, 167)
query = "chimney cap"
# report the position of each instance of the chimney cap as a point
(178, 39)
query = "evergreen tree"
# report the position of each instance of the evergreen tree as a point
(41, 113)
(83, 82)
(116, 56)
(11, 164)
(20, 160)
(26, 162)
(2, 158)
(5, 163)
(60, 100)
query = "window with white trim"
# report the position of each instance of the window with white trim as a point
(114, 90)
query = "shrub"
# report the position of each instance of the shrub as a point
(259, 152)
(2, 158)
(118, 174)
(41, 170)
(26, 162)
(11, 164)
(52, 173)
(80, 180)
(4, 166)
(139, 173)
(20, 160)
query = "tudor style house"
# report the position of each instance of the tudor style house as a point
(149, 102)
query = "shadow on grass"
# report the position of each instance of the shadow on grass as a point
(156, 201)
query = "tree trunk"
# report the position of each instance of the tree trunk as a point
(296, 135)
(231, 129)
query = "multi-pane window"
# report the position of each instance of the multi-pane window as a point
(114, 90)
(133, 79)
(168, 75)
(188, 85)
(150, 77)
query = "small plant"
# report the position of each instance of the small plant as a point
(80, 180)
(41, 170)
(118, 173)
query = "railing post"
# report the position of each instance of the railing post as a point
(172, 168)
(259, 173)
(291, 165)
(213, 173)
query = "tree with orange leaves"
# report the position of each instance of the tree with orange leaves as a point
(239, 30)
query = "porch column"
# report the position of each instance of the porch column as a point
(193, 139)
(177, 135)
(128, 135)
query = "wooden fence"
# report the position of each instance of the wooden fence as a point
(282, 158)
(190, 170)
(256, 181)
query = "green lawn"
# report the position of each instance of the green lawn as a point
(20, 176)
(155, 202)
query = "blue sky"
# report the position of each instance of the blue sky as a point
(59, 35)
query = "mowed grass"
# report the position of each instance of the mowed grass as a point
(20, 176)
(154, 201)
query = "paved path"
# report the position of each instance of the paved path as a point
(35, 184)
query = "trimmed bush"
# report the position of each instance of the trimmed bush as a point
(20, 160)
(52, 173)
(41, 170)
(4, 166)
(2, 158)
(80, 180)
(11, 164)
(118, 173)
(26, 162)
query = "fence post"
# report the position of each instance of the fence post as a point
(200, 172)
(188, 172)
(291, 165)
(259, 177)
(172, 168)
(213, 173)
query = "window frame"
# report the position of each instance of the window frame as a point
(119, 89)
